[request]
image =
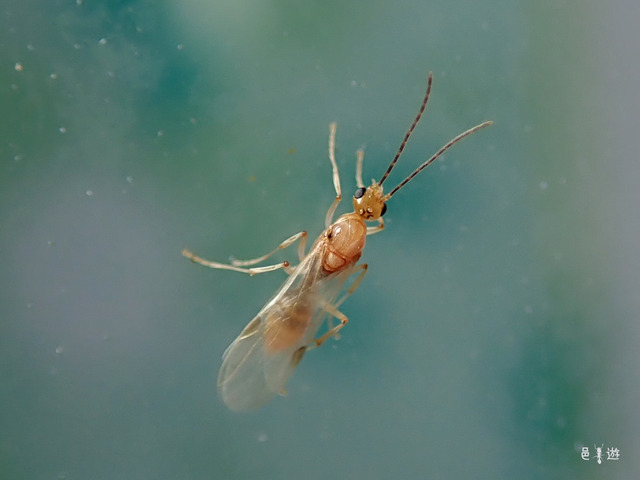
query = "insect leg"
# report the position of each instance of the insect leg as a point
(301, 246)
(333, 331)
(360, 158)
(356, 283)
(376, 228)
(360, 183)
(237, 265)
(332, 309)
(328, 220)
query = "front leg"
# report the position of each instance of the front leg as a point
(328, 219)
(376, 228)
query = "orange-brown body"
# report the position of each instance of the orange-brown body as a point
(258, 363)
(339, 248)
(344, 240)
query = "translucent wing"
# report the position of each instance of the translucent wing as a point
(257, 365)
(242, 382)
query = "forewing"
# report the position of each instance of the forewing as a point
(279, 366)
(253, 372)
(241, 381)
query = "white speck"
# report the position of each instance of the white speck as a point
(102, 41)
(53, 76)
(262, 437)
(160, 133)
(129, 179)
(62, 130)
(77, 46)
(59, 350)
(89, 193)
(354, 83)
(18, 67)
(78, 2)
(30, 47)
(543, 185)
(180, 46)
(17, 158)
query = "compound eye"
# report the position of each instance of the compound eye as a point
(359, 192)
(384, 209)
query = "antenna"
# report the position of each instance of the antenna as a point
(436, 155)
(413, 125)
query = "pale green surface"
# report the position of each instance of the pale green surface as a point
(496, 330)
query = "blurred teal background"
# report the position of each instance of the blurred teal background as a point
(496, 332)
